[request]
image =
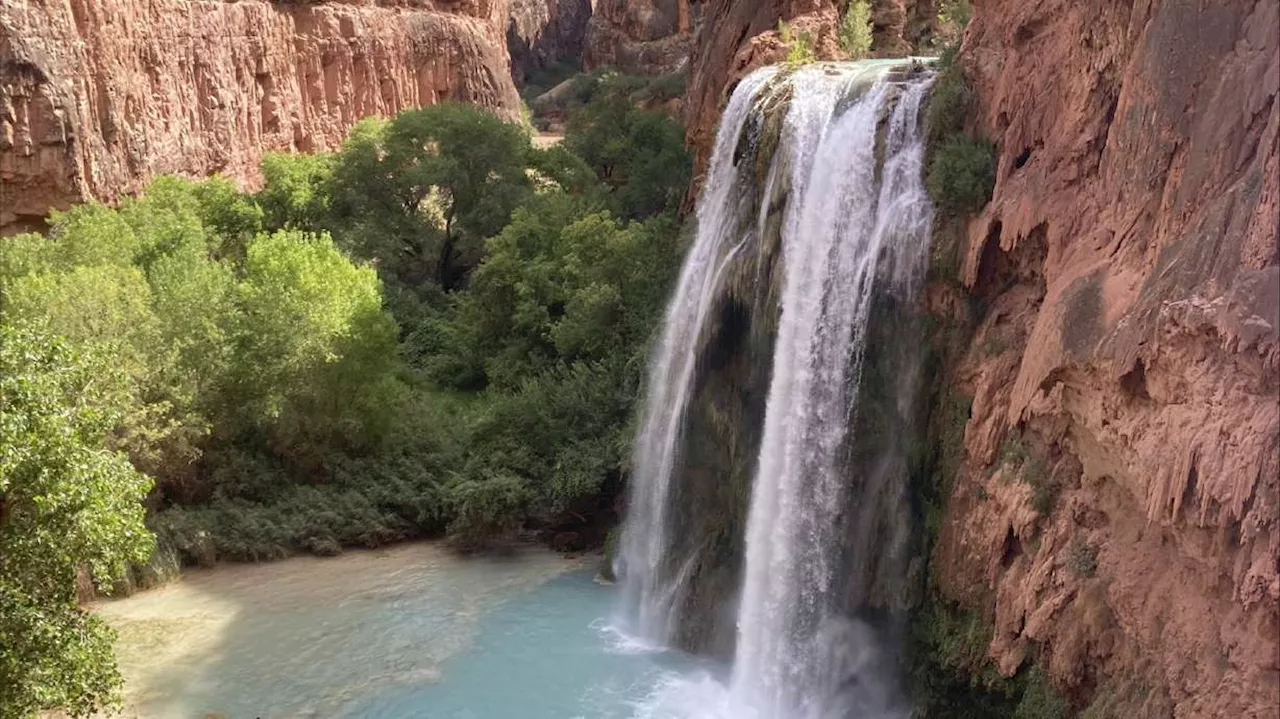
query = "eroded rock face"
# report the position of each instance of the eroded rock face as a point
(1128, 264)
(98, 97)
(644, 37)
(542, 33)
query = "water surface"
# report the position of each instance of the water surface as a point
(412, 631)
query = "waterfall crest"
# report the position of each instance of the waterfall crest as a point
(827, 523)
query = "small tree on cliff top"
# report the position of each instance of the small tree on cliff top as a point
(855, 30)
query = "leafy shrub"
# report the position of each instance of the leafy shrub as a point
(962, 175)
(67, 503)
(799, 45)
(1082, 558)
(486, 508)
(855, 30)
(950, 100)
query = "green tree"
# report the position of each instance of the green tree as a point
(855, 30)
(638, 154)
(316, 357)
(295, 192)
(422, 191)
(66, 504)
(561, 283)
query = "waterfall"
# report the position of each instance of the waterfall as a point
(851, 217)
(648, 590)
(824, 532)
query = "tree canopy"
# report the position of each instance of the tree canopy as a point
(438, 329)
(67, 504)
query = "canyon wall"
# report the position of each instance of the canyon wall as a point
(1126, 367)
(543, 33)
(646, 37)
(98, 97)
(1113, 514)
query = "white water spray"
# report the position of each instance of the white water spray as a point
(851, 217)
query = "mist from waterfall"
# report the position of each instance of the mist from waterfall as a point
(855, 226)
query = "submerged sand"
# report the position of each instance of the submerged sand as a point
(301, 637)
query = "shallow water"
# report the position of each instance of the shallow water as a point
(409, 632)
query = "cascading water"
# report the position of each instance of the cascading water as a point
(852, 216)
(649, 589)
(824, 532)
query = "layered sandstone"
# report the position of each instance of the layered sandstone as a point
(98, 97)
(647, 37)
(1128, 261)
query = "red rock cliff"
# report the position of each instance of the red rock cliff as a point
(543, 33)
(641, 36)
(97, 97)
(1129, 263)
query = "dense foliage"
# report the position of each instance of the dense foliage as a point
(67, 504)
(437, 329)
(962, 174)
(854, 34)
(961, 168)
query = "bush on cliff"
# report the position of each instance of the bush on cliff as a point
(962, 174)
(798, 44)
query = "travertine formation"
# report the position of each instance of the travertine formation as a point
(1117, 511)
(1129, 259)
(97, 97)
